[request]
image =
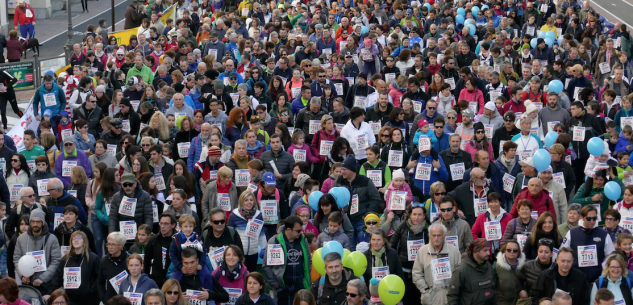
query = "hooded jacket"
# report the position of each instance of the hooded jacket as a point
(78, 156)
(56, 206)
(87, 293)
(275, 274)
(143, 285)
(472, 283)
(143, 214)
(52, 253)
(505, 278)
(210, 201)
(339, 236)
(323, 135)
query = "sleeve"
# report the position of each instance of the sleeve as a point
(62, 98)
(218, 293)
(113, 224)
(520, 278)
(443, 173)
(269, 273)
(418, 274)
(374, 198)
(190, 158)
(579, 199)
(173, 254)
(477, 227)
(149, 255)
(454, 288)
(594, 290)
(567, 240)
(82, 213)
(55, 256)
(509, 233)
(538, 289)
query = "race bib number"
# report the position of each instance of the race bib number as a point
(40, 260)
(275, 255)
(339, 88)
(457, 171)
(558, 177)
(587, 256)
(67, 167)
(441, 269)
(375, 127)
(242, 177)
(253, 228)
(234, 293)
(423, 171)
(269, 211)
(481, 205)
(379, 272)
(216, 257)
(72, 277)
(128, 228)
(67, 134)
(58, 219)
(111, 150)
(15, 191)
(417, 106)
(360, 101)
(160, 182)
(117, 279)
(424, 143)
(49, 98)
(224, 202)
(251, 187)
(522, 238)
(604, 68)
(361, 142)
(155, 213)
(354, 208)
(42, 185)
(493, 230)
(627, 223)
(193, 297)
(299, 155)
(183, 149)
(126, 126)
(375, 175)
(395, 158)
(413, 246)
(325, 148)
(488, 130)
(134, 298)
(451, 82)
(452, 240)
(508, 182)
(128, 206)
(398, 200)
(390, 77)
(315, 125)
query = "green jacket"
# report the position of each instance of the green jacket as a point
(145, 72)
(604, 204)
(275, 274)
(505, 279)
(472, 283)
(32, 154)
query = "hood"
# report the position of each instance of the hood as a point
(345, 113)
(503, 264)
(45, 230)
(339, 232)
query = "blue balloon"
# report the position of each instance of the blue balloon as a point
(427, 5)
(475, 10)
(550, 34)
(459, 19)
(473, 29)
(364, 30)
(550, 138)
(461, 11)
(469, 21)
(332, 246)
(485, 7)
(533, 43)
(541, 34)
(341, 195)
(612, 190)
(549, 41)
(542, 159)
(555, 86)
(595, 146)
(313, 200)
(260, 260)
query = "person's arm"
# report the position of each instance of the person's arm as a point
(269, 274)
(218, 293)
(173, 254)
(149, 255)
(55, 256)
(454, 289)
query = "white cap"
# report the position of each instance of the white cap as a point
(527, 162)
(490, 106)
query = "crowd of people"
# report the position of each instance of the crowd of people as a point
(200, 160)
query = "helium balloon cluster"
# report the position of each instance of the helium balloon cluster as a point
(357, 261)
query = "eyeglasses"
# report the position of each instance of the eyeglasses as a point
(440, 194)
(321, 76)
(559, 131)
(371, 223)
(218, 222)
(145, 145)
(127, 184)
(512, 250)
(14, 160)
(479, 131)
(298, 231)
(385, 136)
(126, 143)
(68, 144)
(29, 196)
(233, 78)
(172, 292)
(446, 210)
(353, 295)
(77, 239)
(284, 114)
(592, 218)
(50, 190)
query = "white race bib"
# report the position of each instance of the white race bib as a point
(354, 207)
(72, 277)
(441, 268)
(40, 260)
(183, 149)
(67, 167)
(375, 175)
(242, 176)
(127, 206)
(253, 228)
(457, 171)
(413, 246)
(395, 158)
(128, 228)
(398, 200)
(269, 210)
(587, 256)
(325, 147)
(274, 255)
(493, 230)
(423, 171)
(299, 155)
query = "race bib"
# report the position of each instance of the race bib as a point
(275, 255)
(253, 228)
(224, 202)
(111, 150)
(234, 293)
(67, 167)
(183, 149)
(379, 272)
(134, 298)
(339, 88)
(488, 130)
(58, 219)
(160, 182)
(295, 92)
(155, 213)
(40, 260)
(604, 67)
(193, 297)
(375, 127)
(627, 223)
(299, 155)
(424, 143)
(493, 230)
(42, 187)
(375, 175)
(451, 82)
(452, 240)
(354, 208)
(15, 191)
(325, 147)
(117, 279)
(417, 106)
(481, 205)
(67, 134)
(216, 257)
(423, 171)
(558, 177)
(587, 256)
(441, 268)
(126, 126)
(127, 206)
(398, 200)
(457, 171)
(360, 101)
(395, 158)
(626, 121)
(361, 142)
(413, 246)
(522, 238)
(390, 77)
(242, 176)
(128, 228)
(315, 125)
(269, 211)
(508, 182)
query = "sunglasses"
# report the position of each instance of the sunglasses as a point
(127, 184)
(14, 160)
(353, 295)
(509, 120)
(546, 240)
(218, 222)
(592, 218)
(233, 78)
(171, 292)
(439, 126)
(446, 210)
(560, 131)
(440, 194)
(385, 136)
(146, 145)
(431, 108)
(371, 223)
(451, 118)
(284, 114)
(68, 144)
(479, 132)
(512, 250)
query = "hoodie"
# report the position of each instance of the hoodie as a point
(340, 236)
(143, 285)
(46, 242)
(403, 188)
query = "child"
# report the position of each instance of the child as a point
(397, 184)
(499, 103)
(327, 98)
(610, 127)
(368, 53)
(313, 244)
(624, 140)
(298, 142)
(623, 244)
(142, 237)
(372, 221)
(424, 129)
(624, 170)
(613, 137)
(333, 232)
(187, 239)
(335, 171)
(626, 111)
(262, 135)
(307, 188)
(64, 124)
(167, 150)
(3, 247)
(303, 211)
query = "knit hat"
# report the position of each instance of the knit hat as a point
(178, 87)
(243, 87)
(120, 51)
(38, 214)
(350, 163)
(367, 41)
(422, 123)
(397, 174)
(125, 102)
(48, 112)
(468, 113)
(64, 114)
(507, 42)
(478, 126)
(490, 106)
(214, 151)
(373, 216)
(362, 75)
(529, 107)
(211, 74)
(218, 84)
(477, 245)
(539, 41)
(301, 179)
(101, 89)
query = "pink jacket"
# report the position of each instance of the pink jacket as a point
(470, 149)
(311, 228)
(321, 135)
(18, 302)
(327, 185)
(224, 282)
(391, 188)
(475, 96)
(395, 94)
(309, 157)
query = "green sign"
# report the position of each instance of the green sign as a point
(23, 72)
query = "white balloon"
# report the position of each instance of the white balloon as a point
(469, 21)
(27, 265)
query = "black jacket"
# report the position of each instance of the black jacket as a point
(577, 286)
(332, 294)
(109, 268)
(357, 90)
(502, 134)
(92, 117)
(87, 293)
(13, 220)
(399, 240)
(135, 120)
(450, 159)
(592, 129)
(64, 237)
(154, 254)
(463, 195)
(528, 274)
(389, 258)
(113, 139)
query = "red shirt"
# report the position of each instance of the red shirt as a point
(21, 15)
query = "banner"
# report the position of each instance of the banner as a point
(53, 64)
(27, 121)
(23, 72)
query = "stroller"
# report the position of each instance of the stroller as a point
(31, 295)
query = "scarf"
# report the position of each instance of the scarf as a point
(248, 215)
(626, 205)
(252, 151)
(231, 275)
(265, 120)
(378, 256)
(509, 164)
(477, 144)
(446, 100)
(512, 266)
(417, 229)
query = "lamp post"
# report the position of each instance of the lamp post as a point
(112, 4)
(69, 43)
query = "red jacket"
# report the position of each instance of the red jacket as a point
(20, 15)
(479, 230)
(321, 135)
(510, 105)
(538, 97)
(542, 202)
(14, 48)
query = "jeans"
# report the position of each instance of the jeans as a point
(27, 29)
(370, 68)
(96, 231)
(358, 228)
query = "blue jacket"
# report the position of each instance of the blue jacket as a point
(429, 118)
(57, 206)
(176, 248)
(188, 101)
(430, 134)
(143, 285)
(60, 98)
(546, 54)
(297, 105)
(216, 292)
(242, 30)
(440, 175)
(194, 95)
(81, 143)
(233, 134)
(240, 80)
(441, 143)
(251, 83)
(194, 152)
(502, 169)
(622, 144)
(322, 44)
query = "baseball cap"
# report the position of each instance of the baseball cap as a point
(132, 81)
(128, 178)
(527, 162)
(269, 178)
(349, 54)
(116, 123)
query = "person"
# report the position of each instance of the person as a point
(334, 232)
(70, 225)
(255, 290)
(564, 277)
(579, 118)
(157, 245)
(173, 293)
(244, 215)
(283, 160)
(136, 282)
(612, 224)
(573, 216)
(267, 194)
(558, 196)
(191, 278)
(187, 238)
(70, 158)
(79, 256)
(113, 266)
(527, 275)
(454, 156)
(359, 130)
(615, 279)
(381, 258)
(25, 15)
(433, 287)
(9, 292)
(224, 187)
(592, 190)
(470, 193)
(545, 229)
(473, 280)
(132, 203)
(457, 229)
(293, 273)
(58, 200)
(17, 176)
(494, 213)
(508, 262)
(230, 270)
(328, 289)
(7, 94)
(197, 144)
(154, 296)
(49, 97)
(27, 196)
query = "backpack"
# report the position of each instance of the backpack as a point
(601, 279)
(231, 233)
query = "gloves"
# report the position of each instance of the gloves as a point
(261, 253)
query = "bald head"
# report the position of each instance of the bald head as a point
(535, 185)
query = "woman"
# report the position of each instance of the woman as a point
(131, 153)
(58, 297)
(9, 292)
(413, 230)
(509, 260)
(319, 144)
(85, 141)
(396, 120)
(625, 206)
(186, 135)
(112, 264)
(150, 96)
(80, 94)
(146, 143)
(520, 227)
(359, 130)
(137, 281)
(611, 223)
(180, 206)
(339, 151)
(148, 184)
(255, 290)
(282, 130)
(381, 257)
(445, 100)
(276, 88)
(291, 187)
(18, 175)
(124, 143)
(340, 83)
(198, 119)
(92, 189)
(114, 106)
(265, 194)
(146, 111)
(14, 47)
(384, 137)
(79, 255)
(161, 127)
(558, 155)
(478, 141)
(573, 216)
(494, 213)
(409, 111)
(173, 293)
(236, 125)
(327, 205)
(38, 180)
(398, 143)
(140, 166)
(78, 184)
(22, 227)
(254, 147)
(108, 187)
(405, 61)
(231, 271)
(49, 142)
(472, 93)
(293, 85)
(615, 278)
(239, 160)
(241, 217)
(280, 103)
(545, 228)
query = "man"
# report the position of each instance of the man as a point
(473, 280)
(381, 87)
(591, 128)
(317, 85)
(543, 53)
(552, 114)
(133, 17)
(91, 113)
(179, 108)
(308, 116)
(380, 111)
(466, 56)
(217, 116)
(283, 69)
(593, 240)
(365, 197)
(309, 52)
(218, 235)
(356, 293)
(564, 278)
(504, 133)
(434, 291)
(31, 151)
(154, 297)
(540, 198)
(344, 26)
(608, 55)
(617, 83)
(416, 93)
(579, 81)
(557, 194)
(528, 171)
(471, 195)
(192, 279)
(198, 144)
(290, 272)
(455, 156)
(116, 133)
(134, 90)
(58, 200)
(528, 274)
(458, 230)
(493, 173)
(418, 65)
(141, 69)
(491, 116)
(302, 100)
(604, 296)
(130, 118)
(78, 57)
(70, 158)
(283, 160)
(161, 165)
(156, 23)
(158, 247)
(360, 89)
(329, 288)
(466, 131)
(442, 137)
(27, 195)
(49, 97)
(318, 31)
(515, 103)
(38, 238)
(340, 115)
(26, 17)
(132, 203)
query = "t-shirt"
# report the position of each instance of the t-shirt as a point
(293, 277)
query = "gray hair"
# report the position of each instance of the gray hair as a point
(560, 295)
(55, 183)
(455, 135)
(117, 237)
(360, 285)
(315, 101)
(574, 206)
(332, 256)
(23, 190)
(167, 60)
(241, 142)
(437, 225)
(155, 292)
(162, 68)
(179, 94)
(535, 79)
(537, 179)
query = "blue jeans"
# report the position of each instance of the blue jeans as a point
(358, 228)
(96, 231)
(27, 29)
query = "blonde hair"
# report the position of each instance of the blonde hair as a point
(618, 258)
(86, 249)
(186, 218)
(78, 175)
(244, 196)
(147, 139)
(163, 125)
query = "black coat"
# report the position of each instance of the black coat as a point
(108, 269)
(87, 293)
(389, 258)
(64, 238)
(153, 254)
(578, 287)
(93, 118)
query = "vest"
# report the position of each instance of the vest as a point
(625, 288)
(580, 238)
(382, 166)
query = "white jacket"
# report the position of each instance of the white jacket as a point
(423, 275)
(560, 200)
(351, 134)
